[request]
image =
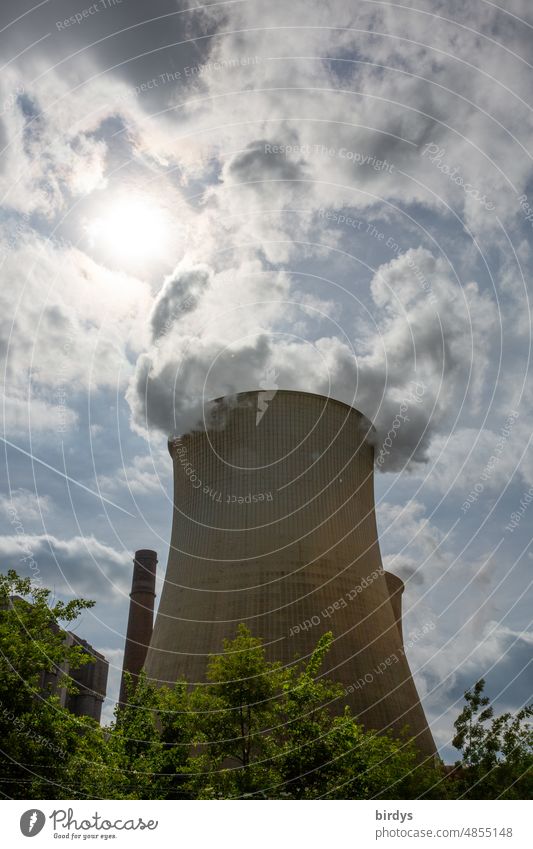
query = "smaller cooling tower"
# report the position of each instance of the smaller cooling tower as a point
(141, 615)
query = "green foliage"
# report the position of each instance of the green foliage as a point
(31, 641)
(235, 715)
(254, 730)
(37, 735)
(497, 753)
(122, 763)
(267, 732)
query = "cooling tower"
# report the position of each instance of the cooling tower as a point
(274, 526)
(141, 615)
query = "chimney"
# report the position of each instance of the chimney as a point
(141, 615)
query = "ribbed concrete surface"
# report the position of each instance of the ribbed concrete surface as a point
(274, 526)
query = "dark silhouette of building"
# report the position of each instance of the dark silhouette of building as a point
(91, 683)
(141, 615)
(90, 679)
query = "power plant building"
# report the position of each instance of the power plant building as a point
(274, 526)
(90, 679)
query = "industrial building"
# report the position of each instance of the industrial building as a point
(90, 679)
(274, 526)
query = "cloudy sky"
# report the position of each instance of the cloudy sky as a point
(329, 196)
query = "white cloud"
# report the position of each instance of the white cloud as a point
(68, 323)
(80, 566)
(239, 324)
(144, 475)
(22, 506)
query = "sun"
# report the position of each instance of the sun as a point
(131, 230)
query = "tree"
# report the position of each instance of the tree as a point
(234, 716)
(126, 766)
(305, 738)
(497, 752)
(267, 732)
(37, 734)
(256, 729)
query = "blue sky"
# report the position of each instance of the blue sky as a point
(337, 194)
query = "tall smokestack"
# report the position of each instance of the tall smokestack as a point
(141, 615)
(274, 526)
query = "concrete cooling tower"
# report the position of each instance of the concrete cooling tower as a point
(274, 526)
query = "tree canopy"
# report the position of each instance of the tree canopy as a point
(254, 730)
